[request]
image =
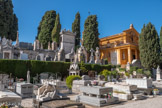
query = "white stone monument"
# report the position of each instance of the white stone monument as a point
(158, 74)
(28, 76)
(97, 55)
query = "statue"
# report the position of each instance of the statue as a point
(28, 76)
(158, 74)
(97, 55)
(128, 66)
(91, 56)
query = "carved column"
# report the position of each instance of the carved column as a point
(118, 56)
(129, 55)
(136, 53)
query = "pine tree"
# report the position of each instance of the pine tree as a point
(90, 34)
(76, 29)
(56, 30)
(149, 47)
(8, 20)
(45, 27)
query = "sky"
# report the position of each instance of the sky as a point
(114, 16)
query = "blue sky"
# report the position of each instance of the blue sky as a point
(114, 16)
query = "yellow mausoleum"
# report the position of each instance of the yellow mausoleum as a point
(120, 48)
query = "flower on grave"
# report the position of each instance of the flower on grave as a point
(155, 89)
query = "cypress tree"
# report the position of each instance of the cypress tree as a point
(90, 34)
(161, 43)
(8, 20)
(76, 29)
(56, 30)
(149, 47)
(45, 27)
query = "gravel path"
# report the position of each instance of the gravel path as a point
(155, 102)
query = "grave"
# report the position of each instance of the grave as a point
(25, 90)
(48, 92)
(141, 83)
(3, 82)
(122, 90)
(78, 83)
(10, 97)
(144, 85)
(97, 96)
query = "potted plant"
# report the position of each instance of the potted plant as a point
(155, 91)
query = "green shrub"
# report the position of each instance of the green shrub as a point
(69, 80)
(114, 73)
(127, 74)
(118, 66)
(122, 69)
(140, 71)
(147, 73)
(133, 68)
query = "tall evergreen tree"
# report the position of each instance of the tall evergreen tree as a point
(161, 43)
(76, 29)
(90, 34)
(149, 46)
(45, 27)
(8, 20)
(56, 30)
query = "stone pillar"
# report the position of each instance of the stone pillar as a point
(118, 56)
(129, 55)
(49, 46)
(35, 45)
(38, 47)
(54, 45)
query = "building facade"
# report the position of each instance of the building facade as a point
(35, 51)
(120, 48)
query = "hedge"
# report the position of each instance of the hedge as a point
(19, 68)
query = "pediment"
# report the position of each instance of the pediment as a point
(7, 47)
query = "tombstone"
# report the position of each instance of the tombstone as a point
(24, 89)
(158, 74)
(108, 78)
(101, 77)
(28, 76)
(127, 66)
(97, 55)
(91, 56)
(85, 77)
(3, 81)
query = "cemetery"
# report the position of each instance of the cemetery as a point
(111, 86)
(76, 83)
(70, 68)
